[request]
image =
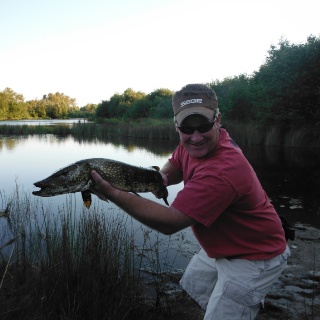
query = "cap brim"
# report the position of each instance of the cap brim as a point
(203, 111)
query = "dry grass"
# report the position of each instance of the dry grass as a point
(56, 266)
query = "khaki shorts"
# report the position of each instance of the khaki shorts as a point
(231, 288)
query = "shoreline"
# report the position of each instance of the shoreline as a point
(294, 296)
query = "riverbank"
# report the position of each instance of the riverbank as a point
(242, 133)
(295, 296)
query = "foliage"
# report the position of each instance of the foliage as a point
(136, 105)
(287, 87)
(156, 105)
(235, 98)
(66, 263)
(63, 267)
(161, 104)
(285, 90)
(12, 105)
(117, 106)
(141, 128)
(58, 105)
(52, 106)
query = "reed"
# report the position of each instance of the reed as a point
(243, 134)
(63, 267)
(255, 134)
(59, 129)
(146, 129)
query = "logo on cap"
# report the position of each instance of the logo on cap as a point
(184, 103)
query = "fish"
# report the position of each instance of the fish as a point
(76, 178)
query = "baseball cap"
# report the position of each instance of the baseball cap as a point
(194, 99)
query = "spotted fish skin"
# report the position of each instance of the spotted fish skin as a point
(76, 178)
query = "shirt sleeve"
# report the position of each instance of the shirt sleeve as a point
(176, 158)
(205, 197)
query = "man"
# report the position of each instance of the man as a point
(243, 243)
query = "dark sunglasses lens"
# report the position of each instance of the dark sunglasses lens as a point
(202, 129)
(186, 130)
(205, 128)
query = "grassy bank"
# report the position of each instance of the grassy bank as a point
(244, 134)
(253, 134)
(57, 266)
(145, 129)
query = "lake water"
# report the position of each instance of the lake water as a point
(290, 177)
(48, 122)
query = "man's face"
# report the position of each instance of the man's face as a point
(199, 144)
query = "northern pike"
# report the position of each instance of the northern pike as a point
(76, 178)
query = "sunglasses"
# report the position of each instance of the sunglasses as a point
(202, 129)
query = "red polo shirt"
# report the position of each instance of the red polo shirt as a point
(235, 218)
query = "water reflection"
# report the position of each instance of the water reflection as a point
(287, 174)
(156, 146)
(290, 177)
(160, 147)
(47, 122)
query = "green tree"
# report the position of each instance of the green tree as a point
(118, 105)
(286, 87)
(58, 105)
(139, 109)
(12, 105)
(89, 108)
(37, 109)
(235, 98)
(161, 104)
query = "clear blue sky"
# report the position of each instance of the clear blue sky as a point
(91, 49)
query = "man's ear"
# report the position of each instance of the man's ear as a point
(176, 126)
(218, 118)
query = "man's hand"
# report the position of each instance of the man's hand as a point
(101, 187)
(167, 220)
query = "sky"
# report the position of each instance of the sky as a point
(92, 49)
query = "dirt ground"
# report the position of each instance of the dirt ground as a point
(296, 294)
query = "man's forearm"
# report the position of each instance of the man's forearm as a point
(166, 220)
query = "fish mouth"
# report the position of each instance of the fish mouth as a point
(43, 192)
(39, 192)
(48, 191)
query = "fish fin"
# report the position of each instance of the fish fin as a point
(86, 197)
(136, 194)
(165, 196)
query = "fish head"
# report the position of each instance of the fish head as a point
(70, 179)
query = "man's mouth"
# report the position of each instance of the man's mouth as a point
(198, 144)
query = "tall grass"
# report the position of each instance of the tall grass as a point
(146, 129)
(254, 134)
(242, 133)
(39, 129)
(57, 266)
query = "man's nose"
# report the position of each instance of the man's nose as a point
(196, 136)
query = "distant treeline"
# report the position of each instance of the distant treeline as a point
(284, 92)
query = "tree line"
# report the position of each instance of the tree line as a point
(285, 91)
(51, 106)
